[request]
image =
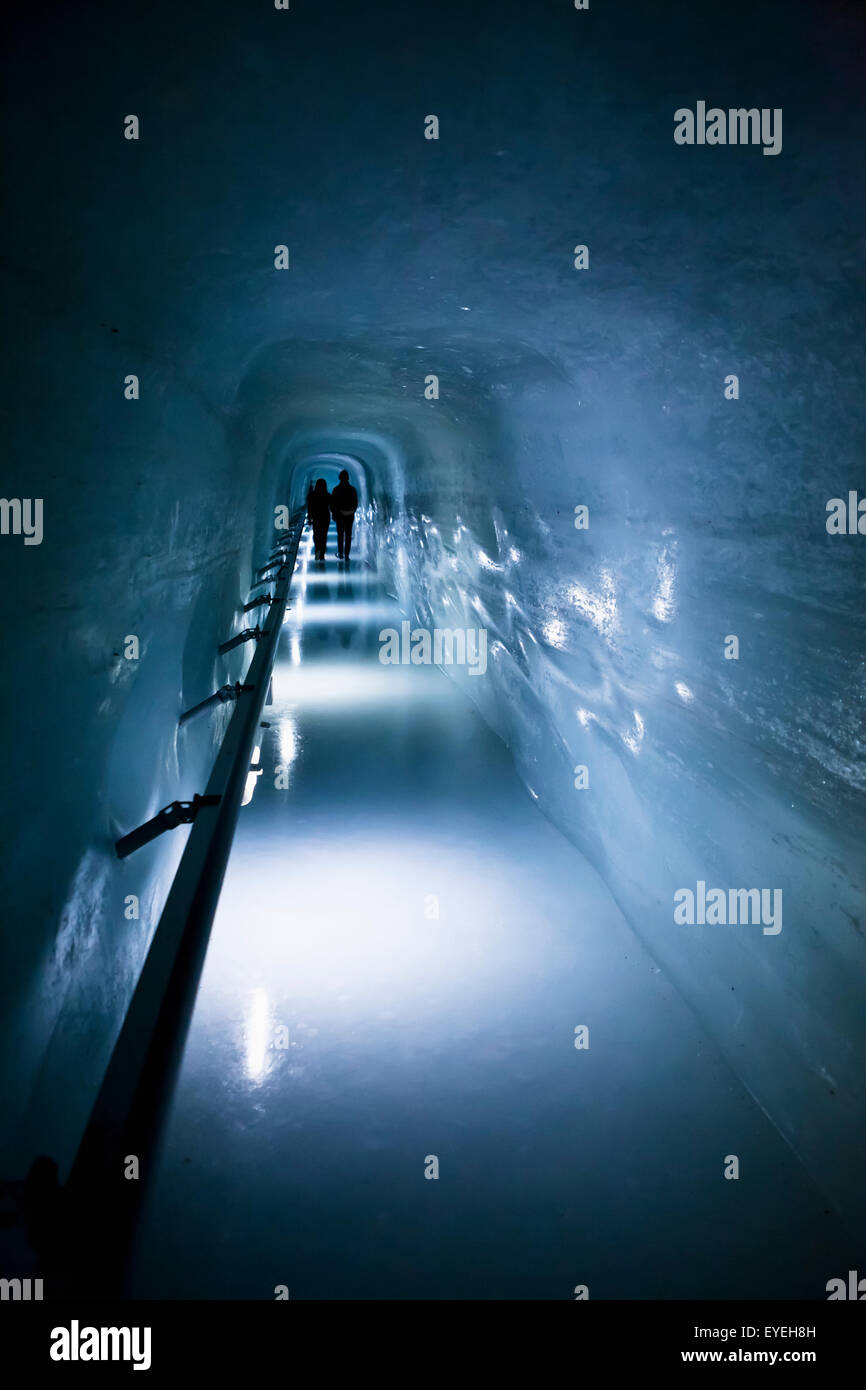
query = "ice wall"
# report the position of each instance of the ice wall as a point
(606, 652)
(148, 535)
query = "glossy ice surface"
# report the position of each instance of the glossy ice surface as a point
(403, 951)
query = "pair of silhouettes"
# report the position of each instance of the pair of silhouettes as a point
(341, 504)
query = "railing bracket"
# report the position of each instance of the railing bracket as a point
(169, 818)
(221, 696)
(257, 602)
(249, 634)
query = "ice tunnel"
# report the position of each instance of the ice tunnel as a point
(538, 957)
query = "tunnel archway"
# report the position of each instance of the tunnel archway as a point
(329, 465)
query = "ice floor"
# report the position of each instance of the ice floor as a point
(403, 950)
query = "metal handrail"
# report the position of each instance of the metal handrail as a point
(101, 1203)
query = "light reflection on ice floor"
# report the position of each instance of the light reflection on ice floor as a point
(403, 950)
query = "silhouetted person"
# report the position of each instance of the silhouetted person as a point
(344, 504)
(319, 512)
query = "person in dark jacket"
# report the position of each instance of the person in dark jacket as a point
(319, 512)
(344, 504)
